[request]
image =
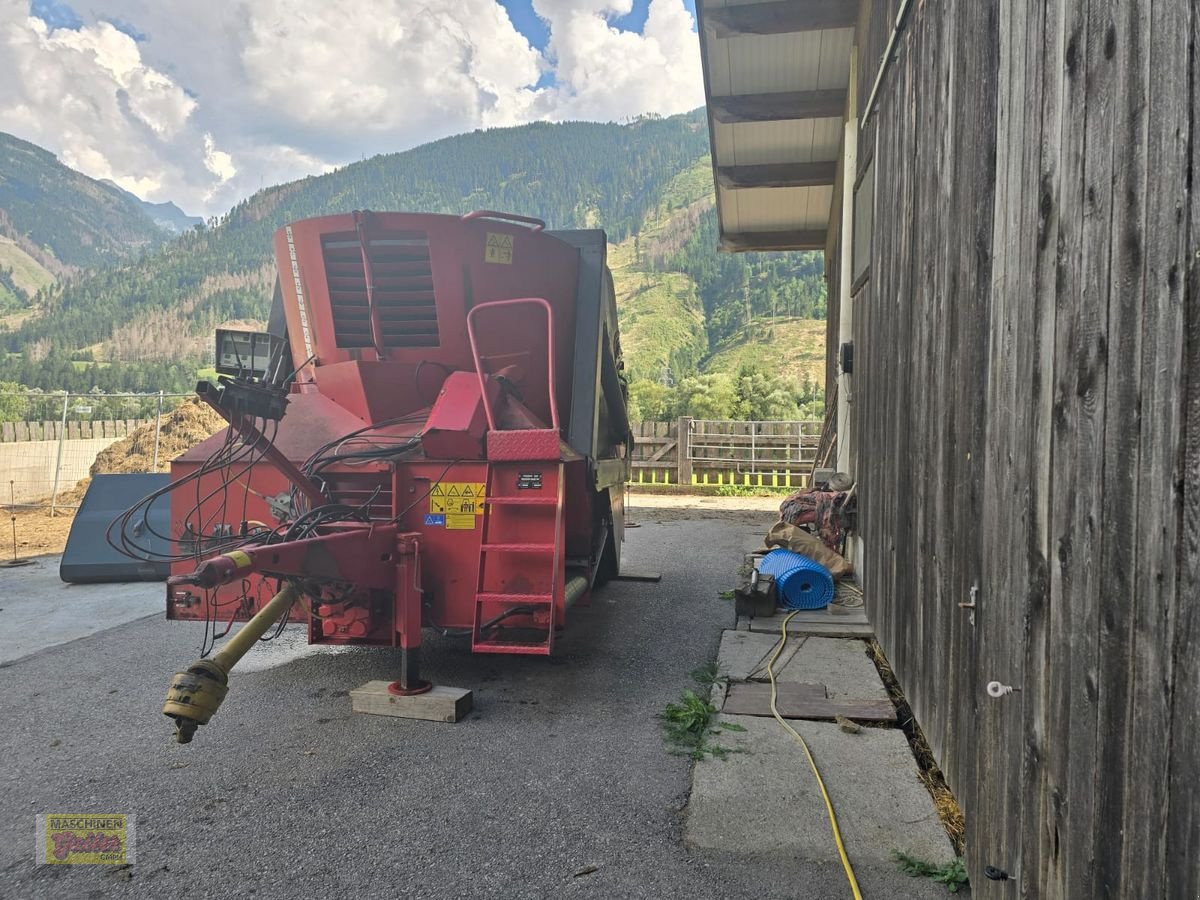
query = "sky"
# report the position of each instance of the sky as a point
(205, 103)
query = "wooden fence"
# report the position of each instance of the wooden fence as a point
(15, 432)
(722, 452)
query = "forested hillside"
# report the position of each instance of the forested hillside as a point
(647, 183)
(65, 220)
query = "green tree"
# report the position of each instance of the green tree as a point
(763, 396)
(13, 402)
(706, 397)
(649, 401)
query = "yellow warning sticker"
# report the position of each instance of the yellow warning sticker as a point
(499, 248)
(457, 498)
(460, 520)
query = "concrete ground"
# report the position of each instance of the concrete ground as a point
(557, 785)
(38, 611)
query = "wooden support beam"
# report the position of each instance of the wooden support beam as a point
(780, 17)
(773, 240)
(774, 175)
(779, 106)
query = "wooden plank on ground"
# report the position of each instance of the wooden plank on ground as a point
(439, 704)
(802, 701)
(820, 622)
(634, 574)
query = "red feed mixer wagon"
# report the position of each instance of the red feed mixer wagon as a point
(432, 434)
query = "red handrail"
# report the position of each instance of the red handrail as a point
(538, 224)
(495, 304)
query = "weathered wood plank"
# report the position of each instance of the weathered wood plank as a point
(632, 574)
(802, 701)
(1149, 236)
(1044, 769)
(1182, 857)
(1076, 437)
(1183, 818)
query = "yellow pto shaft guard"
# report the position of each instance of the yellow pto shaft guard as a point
(195, 694)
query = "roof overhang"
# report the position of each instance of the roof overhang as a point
(776, 74)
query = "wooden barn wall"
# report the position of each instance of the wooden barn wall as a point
(1027, 401)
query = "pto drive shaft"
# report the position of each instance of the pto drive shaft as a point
(195, 694)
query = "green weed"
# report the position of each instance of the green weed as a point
(688, 723)
(952, 874)
(708, 675)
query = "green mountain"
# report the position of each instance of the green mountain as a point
(647, 183)
(64, 220)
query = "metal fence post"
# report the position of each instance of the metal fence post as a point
(157, 428)
(62, 436)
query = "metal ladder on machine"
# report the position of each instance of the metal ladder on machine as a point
(501, 507)
(510, 453)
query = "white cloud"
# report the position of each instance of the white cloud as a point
(423, 70)
(88, 96)
(221, 99)
(604, 73)
(217, 161)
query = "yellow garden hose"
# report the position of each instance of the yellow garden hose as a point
(833, 823)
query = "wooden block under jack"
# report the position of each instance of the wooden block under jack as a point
(438, 704)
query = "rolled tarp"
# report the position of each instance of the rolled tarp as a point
(800, 582)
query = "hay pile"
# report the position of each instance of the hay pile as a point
(182, 429)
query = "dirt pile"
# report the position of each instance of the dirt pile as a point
(37, 531)
(182, 429)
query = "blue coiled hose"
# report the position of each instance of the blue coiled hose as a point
(800, 583)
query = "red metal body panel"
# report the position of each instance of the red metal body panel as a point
(449, 340)
(457, 425)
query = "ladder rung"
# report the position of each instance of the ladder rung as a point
(516, 599)
(523, 501)
(502, 647)
(517, 548)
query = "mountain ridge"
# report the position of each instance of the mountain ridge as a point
(166, 215)
(65, 220)
(648, 183)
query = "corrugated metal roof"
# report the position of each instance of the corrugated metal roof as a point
(764, 108)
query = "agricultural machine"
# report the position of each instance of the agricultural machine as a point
(431, 434)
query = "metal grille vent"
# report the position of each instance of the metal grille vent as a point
(403, 289)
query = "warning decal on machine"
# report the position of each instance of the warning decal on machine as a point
(460, 520)
(499, 248)
(463, 498)
(435, 519)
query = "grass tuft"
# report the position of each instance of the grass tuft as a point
(687, 723)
